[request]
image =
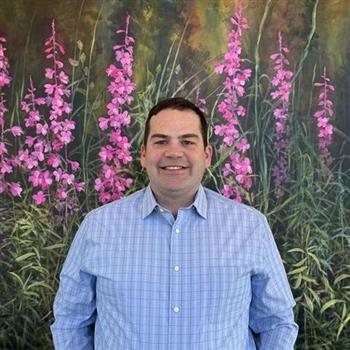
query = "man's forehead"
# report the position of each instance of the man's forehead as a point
(172, 118)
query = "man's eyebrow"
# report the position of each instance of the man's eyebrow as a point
(185, 136)
(160, 136)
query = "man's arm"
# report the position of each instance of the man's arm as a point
(74, 306)
(271, 311)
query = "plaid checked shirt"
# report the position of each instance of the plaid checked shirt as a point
(137, 279)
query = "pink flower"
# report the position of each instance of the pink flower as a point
(46, 154)
(33, 116)
(237, 171)
(46, 179)
(105, 197)
(243, 145)
(74, 165)
(68, 179)
(7, 164)
(106, 153)
(282, 88)
(103, 123)
(16, 131)
(63, 77)
(49, 89)
(110, 184)
(3, 148)
(79, 186)
(15, 189)
(42, 129)
(34, 178)
(49, 73)
(39, 198)
(4, 80)
(219, 68)
(322, 116)
(54, 160)
(66, 137)
(61, 193)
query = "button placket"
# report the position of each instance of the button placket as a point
(175, 280)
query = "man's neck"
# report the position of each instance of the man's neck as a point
(174, 203)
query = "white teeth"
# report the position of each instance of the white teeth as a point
(173, 167)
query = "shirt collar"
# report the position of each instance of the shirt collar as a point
(150, 203)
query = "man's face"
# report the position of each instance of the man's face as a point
(175, 157)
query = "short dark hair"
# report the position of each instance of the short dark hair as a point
(179, 104)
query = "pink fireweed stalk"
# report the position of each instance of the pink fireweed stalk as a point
(323, 116)
(7, 163)
(282, 86)
(116, 154)
(201, 102)
(45, 154)
(238, 169)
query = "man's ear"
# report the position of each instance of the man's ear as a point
(143, 155)
(208, 152)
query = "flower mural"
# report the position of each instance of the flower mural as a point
(48, 183)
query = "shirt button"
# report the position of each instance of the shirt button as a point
(177, 230)
(176, 309)
(161, 210)
(177, 268)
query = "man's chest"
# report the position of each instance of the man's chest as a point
(192, 273)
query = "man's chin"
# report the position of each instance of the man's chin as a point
(178, 191)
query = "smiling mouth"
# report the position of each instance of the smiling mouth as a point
(173, 167)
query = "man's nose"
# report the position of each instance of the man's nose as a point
(174, 150)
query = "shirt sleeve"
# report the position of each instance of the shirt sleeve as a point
(74, 306)
(271, 311)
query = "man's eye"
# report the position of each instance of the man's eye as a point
(187, 142)
(160, 142)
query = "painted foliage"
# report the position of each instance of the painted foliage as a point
(77, 79)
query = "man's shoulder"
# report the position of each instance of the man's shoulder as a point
(127, 203)
(217, 201)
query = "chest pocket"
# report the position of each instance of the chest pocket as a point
(228, 293)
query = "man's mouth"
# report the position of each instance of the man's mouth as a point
(173, 167)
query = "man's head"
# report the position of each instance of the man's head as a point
(174, 152)
(179, 104)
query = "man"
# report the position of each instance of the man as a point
(174, 266)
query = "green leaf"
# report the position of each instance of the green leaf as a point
(73, 63)
(330, 303)
(54, 246)
(309, 303)
(299, 250)
(24, 256)
(17, 278)
(298, 270)
(342, 325)
(300, 263)
(341, 277)
(80, 45)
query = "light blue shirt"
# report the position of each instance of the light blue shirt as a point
(135, 278)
